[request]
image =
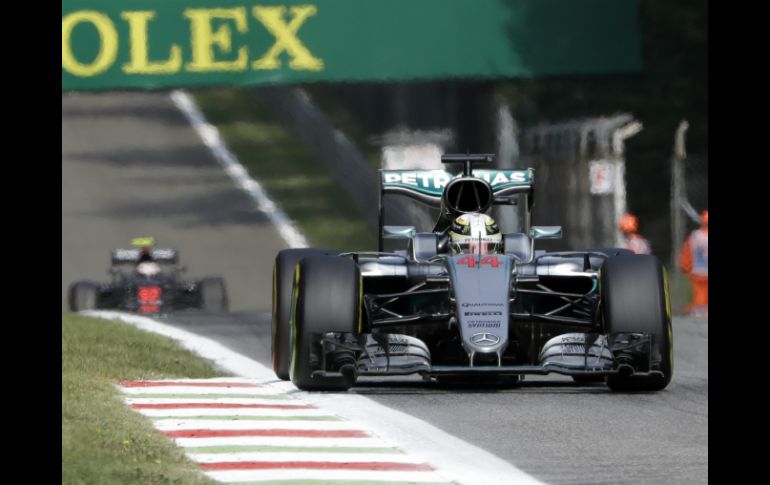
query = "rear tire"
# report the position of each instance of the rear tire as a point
(283, 277)
(635, 299)
(83, 295)
(326, 298)
(214, 295)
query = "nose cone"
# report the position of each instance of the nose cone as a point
(481, 286)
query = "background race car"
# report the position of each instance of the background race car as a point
(147, 280)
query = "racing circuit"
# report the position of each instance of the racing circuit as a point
(132, 165)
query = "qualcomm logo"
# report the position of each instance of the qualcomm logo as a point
(485, 339)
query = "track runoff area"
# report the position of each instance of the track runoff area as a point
(254, 428)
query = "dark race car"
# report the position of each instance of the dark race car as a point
(466, 300)
(146, 280)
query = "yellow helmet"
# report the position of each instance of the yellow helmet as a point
(475, 233)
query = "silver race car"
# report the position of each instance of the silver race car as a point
(464, 299)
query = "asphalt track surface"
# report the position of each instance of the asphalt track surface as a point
(131, 166)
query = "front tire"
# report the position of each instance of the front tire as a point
(635, 299)
(214, 295)
(283, 276)
(327, 297)
(83, 295)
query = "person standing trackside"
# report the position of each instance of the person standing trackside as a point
(629, 224)
(694, 261)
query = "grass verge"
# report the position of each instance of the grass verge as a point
(103, 441)
(287, 170)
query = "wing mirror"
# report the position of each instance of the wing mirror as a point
(398, 232)
(545, 232)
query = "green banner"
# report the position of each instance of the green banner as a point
(111, 44)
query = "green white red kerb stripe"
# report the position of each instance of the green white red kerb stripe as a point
(387, 428)
(248, 431)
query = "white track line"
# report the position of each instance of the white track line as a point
(451, 456)
(270, 475)
(257, 391)
(225, 380)
(179, 413)
(211, 138)
(203, 400)
(181, 424)
(283, 441)
(281, 457)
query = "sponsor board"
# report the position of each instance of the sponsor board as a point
(111, 44)
(432, 182)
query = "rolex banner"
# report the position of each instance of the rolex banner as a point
(148, 44)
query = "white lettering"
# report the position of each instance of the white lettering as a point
(440, 180)
(500, 178)
(425, 177)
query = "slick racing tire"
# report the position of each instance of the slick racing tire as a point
(83, 295)
(283, 276)
(214, 295)
(635, 299)
(327, 297)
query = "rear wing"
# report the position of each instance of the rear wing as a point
(427, 186)
(131, 256)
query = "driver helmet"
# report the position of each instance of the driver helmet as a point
(148, 269)
(628, 223)
(475, 233)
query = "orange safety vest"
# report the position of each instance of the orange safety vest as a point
(638, 244)
(694, 259)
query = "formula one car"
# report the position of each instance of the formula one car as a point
(466, 300)
(153, 285)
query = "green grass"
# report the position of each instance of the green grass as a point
(287, 170)
(104, 441)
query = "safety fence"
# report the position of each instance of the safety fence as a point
(579, 177)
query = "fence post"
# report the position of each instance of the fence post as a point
(677, 192)
(618, 147)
